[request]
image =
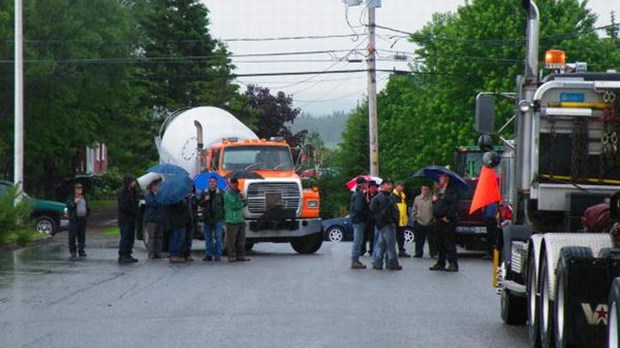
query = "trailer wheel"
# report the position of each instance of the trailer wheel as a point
(609, 253)
(545, 306)
(562, 313)
(533, 312)
(513, 308)
(613, 327)
(308, 244)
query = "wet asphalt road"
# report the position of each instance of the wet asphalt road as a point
(279, 299)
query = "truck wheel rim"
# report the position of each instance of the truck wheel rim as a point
(44, 226)
(560, 308)
(408, 236)
(335, 235)
(613, 326)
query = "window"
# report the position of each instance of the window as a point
(257, 158)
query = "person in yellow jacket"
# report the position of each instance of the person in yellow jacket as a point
(401, 202)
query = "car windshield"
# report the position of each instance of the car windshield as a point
(257, 158)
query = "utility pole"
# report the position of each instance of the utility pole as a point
(372, 90)
(18, 164)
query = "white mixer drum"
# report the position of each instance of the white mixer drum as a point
(178, 136)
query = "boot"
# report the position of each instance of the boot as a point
(438, 266)
(357, 265)
(452, 267)
(396, 267)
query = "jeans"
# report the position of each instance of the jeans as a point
(446, 242)
(211, 232)
(177, 237)
(358, 238)
(386, 245)
(77, 228)
(128, 235)
(187, 241)
(235, 240)
(155, 231)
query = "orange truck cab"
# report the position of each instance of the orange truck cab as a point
(279, 208)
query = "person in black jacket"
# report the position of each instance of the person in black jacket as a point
(369, 233)
(212, 202)
(78, 210)
(192, 224)
(178, 215)
(127, 212)
(359, 217)
(445, 210)
(386, 217)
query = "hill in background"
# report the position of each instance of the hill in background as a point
(329, 127)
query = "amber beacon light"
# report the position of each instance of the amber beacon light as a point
(555, 59)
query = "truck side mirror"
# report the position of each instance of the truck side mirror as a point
(485, 113)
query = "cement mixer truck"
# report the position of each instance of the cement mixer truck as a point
(280, 210)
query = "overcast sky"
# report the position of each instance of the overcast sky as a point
(322, 94)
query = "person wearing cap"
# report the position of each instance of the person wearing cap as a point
(127, 213)
(78, 211)
(401, 202)
(359, 214)
(235, 223)
(386, 217)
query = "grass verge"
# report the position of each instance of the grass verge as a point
(112, 231)
(98, 204)
(21, 237)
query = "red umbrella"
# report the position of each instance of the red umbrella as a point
(352, 183)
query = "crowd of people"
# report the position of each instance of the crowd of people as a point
(170, 227)
(379, 218)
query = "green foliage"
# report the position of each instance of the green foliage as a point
(334, 196)
(107, 185)
(14, 218)
(423, 117)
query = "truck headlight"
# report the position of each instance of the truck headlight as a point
(313, 204)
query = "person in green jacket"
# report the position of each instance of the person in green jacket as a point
(235, 223)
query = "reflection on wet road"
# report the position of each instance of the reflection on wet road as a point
(279, 299)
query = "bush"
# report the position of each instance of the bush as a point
(335, 196)
(107, 185)
(14, 217)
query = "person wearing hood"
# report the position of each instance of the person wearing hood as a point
(359, 214)
(127, 212)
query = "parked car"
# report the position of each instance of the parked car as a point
(341, 230)
(49, 217)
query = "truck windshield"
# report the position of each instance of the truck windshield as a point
(257, 158)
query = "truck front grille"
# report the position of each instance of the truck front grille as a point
(264, 195)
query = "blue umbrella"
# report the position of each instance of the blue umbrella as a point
(434, 172)
(167, 168)
(174, 189)
(202, 181)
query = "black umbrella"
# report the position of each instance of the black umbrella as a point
(243, 174)
(434, 172)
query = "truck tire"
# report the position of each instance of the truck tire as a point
(308, 244)
(545, 305)
(613, 326)
(514, 309)
(562, 314)
(609, 253)
(533, 312)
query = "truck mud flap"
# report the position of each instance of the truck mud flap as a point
(587, 311)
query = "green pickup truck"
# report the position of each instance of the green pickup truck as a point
(48, 216)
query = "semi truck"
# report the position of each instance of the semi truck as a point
(560, 280)
(211, 140)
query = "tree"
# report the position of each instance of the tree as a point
(480, 47)
(273, 114)
(184, 66)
